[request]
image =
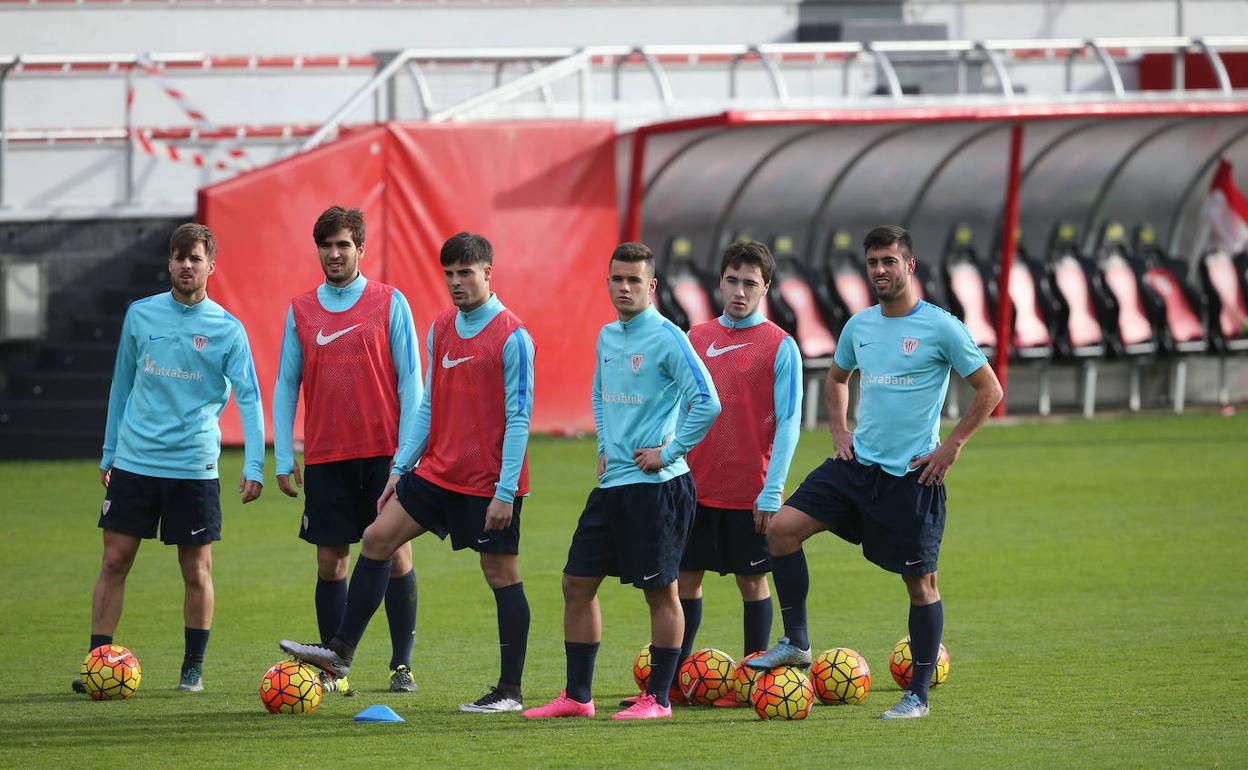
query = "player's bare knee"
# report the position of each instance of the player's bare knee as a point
(689, 585)
(500, 569)
(332, 562)
(664, 596)
(922, 588)
(578, 590)
(401, 562)
(753, 587)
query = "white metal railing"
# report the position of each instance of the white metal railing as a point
(562, 80)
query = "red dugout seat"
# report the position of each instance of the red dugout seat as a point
(684, 294)
(1130, 307)
(968, 289)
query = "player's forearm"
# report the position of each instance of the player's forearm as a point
(988, 394)
(285, 402)
(242, 374)
(515, 443)
(783, 446)
(697, 422)
(837, 399)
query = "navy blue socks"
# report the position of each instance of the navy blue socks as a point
(926, 624)
(792, 583)
(99, 639)
(757, 616)
(581, 656)
(693, 619)
(663, 663)
(369, 581)
(401, 612)
(331, 600)
(196, 643)
(513, 633)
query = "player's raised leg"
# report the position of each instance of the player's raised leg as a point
(786, 532)
(392, 528)
(197, 609)
(582, 632)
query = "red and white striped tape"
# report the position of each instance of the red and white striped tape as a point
(169, 151)
(233, 149)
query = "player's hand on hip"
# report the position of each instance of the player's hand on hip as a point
(649, 459)
(283, 481)
(391, 484)
(106, 475)
(843, 444)
(761, 518)
(250, 490)
(497, 515)
(602, 465)
(936, 464)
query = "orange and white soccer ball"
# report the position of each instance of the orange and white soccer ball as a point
(706, 676)
(641, 668)
(744, 678)
(290, 687)
(111, 672)
(840, 676)
(901, 664)
(783, 693)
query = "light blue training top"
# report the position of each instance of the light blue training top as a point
(402, 335)
(904, 365)
(650, 389)
(787, 399)
(517, 396)
(176, 365)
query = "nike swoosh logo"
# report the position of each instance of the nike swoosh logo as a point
(714, 352)
(651, 577)
(451, 363)
(324, 339)
(197, 531)
(484, 541)
(756, 563)
(608, 360)
(113, 659)
(153, 339)
(865, 344)
(912, 563)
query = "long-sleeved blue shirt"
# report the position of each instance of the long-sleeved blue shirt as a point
(644, 376)
(290, 372)
(787, 400)
(176, 365)
(517, 399)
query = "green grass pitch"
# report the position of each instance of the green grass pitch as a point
(1093, 575)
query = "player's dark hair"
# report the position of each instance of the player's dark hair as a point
(467, 249)
(337, 218)
(752, 253)
(186, 236)
(886, 235)
(634, 252)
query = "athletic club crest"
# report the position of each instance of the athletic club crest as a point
(200, 341)
(637, 359)
(909, 344)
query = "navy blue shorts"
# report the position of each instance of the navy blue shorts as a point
(898, 521)
(186, 511)
(724, 540)
(444, 512)
(340, 499)
(636, 532)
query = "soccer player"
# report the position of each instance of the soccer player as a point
(885, 485)
(653, 401)
(472, 431)
(351, 343)
(179, 356)
(740, 467)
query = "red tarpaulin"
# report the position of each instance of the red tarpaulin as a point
(544, 194)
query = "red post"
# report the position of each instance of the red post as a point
(1009, 246)
(632, 218)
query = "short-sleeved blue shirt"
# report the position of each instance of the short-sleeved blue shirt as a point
(904, 365)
